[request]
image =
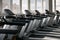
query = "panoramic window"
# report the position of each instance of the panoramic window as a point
(40, 5)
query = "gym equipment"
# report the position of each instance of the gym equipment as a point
(28, 12)
(36, 32)
(9, 12)
(9, 22)
(10, 30)
(37, 12)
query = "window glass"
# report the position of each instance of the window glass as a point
(24, 6)
(39, 5)
(32, 4)
(53, 5)
(44, 6)
(16, 6)
(5, 4)
(58, 5)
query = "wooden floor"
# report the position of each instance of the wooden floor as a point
(46, 38)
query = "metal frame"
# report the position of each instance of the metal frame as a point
(28, 4)
(50, 5)
(35, 4)
(54, 1)
(20, 6)
(0, 7)
(11, 4)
